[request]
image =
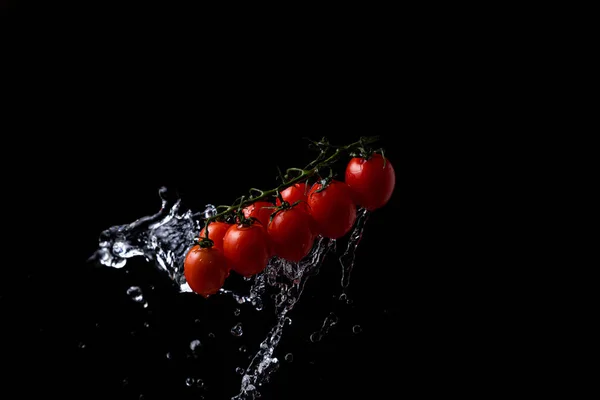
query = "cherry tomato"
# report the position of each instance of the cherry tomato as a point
(259, 211)
(291, 233)
(216, 232)
(246, 248)
(371, 182)
(299, 192)
(333, 209)
(205, 269)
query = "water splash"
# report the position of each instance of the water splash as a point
(347, 259)
(164, 239)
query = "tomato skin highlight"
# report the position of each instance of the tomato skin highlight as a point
(216, 232)
(259, 211)
(291, 234)
(333, 209)
(371, 182)
(246, 248)
(205, 270)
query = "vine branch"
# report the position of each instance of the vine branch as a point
(301, 174)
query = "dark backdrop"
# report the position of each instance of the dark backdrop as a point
(98, 136)
(76, 331)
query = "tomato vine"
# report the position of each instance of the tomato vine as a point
(316, 167)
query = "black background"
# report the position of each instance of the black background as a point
(101, 125)
(65, 304)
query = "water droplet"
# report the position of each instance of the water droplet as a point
(197, 321)
(195, 345)
(200, 384)
(146, 325)
(133, 333)
(237, 312)
(289, 357)
(210, 211)
(356, 329)
(211, 335)
(169, 355)
(81, 345)
(257, 303)
(189, 381)
(142, 397)
(125, 382)
(136, 294)
(146, 305)
(288, 320)
(243, 349)
(315, 337)
(239, 370)
(97, 325)
(333, 319)
(237, 330)
(343, 297)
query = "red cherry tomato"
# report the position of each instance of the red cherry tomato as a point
(216, 232)
(296, 192)
(291, 233)
(246, 248)
(205, 270)
(299, 192)
(333, 209)
(371, 182)
(259, 211)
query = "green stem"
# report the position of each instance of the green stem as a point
(304, 174)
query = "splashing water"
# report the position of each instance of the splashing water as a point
(347, 259)
(164, 239)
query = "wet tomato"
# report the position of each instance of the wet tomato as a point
(246, 248)
(299, 192)
(372, 181)
(291, 234)
(333, 209)
(296, 192)
(259, 210)
(216, 232)
(205, 269)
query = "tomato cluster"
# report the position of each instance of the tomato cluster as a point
(288, 228)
